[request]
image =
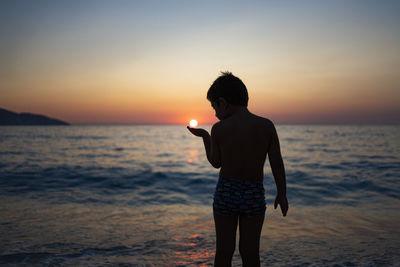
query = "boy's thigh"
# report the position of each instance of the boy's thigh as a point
(250, 229)
(225, 227)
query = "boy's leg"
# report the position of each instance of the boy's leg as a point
(249, 239)
(225, 229)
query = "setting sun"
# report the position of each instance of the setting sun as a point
(193, 123)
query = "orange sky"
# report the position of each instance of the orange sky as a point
(121, 63)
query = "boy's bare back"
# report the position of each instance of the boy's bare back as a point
(243, 141)
(240, 142)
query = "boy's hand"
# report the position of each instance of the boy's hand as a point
(282, 201)
(198, 131)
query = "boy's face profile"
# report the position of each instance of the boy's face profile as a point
(215, 105)
(220, 108)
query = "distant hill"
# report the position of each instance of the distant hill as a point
(11, 118)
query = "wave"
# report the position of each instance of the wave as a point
(146, 186)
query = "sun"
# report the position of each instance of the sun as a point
(193, 123)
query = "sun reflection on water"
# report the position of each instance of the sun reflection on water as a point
(194, 253)
(193, 156)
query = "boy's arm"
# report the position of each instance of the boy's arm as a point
(212, 149)
(210, 145)
(278, 170)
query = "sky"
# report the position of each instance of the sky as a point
(127, 62)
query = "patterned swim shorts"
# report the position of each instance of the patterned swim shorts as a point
(239, 197)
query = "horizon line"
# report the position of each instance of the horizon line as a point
(207, 124)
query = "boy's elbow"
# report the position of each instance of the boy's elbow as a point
(216, 165)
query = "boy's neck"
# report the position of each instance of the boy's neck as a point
(236, 110)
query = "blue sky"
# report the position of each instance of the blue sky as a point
(133, 61)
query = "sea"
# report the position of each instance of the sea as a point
(142, 196)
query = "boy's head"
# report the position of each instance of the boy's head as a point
(229, 87)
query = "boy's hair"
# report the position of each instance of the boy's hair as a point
(229, 87)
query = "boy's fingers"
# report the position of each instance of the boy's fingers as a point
(283, 211)
(190, 129)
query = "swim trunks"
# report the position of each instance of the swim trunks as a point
(239, 197)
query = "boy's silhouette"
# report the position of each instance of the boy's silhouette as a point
(239, 144)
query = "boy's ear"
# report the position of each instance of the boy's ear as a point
(222, 101)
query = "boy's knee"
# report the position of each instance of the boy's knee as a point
(248, 252)
(226, 250)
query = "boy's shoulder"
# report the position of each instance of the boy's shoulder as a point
(254, 120)
(263, 124)
(263, 120)
(217, 126)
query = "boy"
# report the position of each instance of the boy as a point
(239, 144)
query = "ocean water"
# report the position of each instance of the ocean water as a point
(142, 195)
